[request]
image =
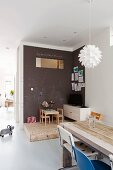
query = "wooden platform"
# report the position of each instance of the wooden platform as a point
(38, 131)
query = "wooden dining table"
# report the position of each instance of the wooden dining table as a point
(99, 137)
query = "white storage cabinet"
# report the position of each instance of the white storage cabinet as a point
(76, 113)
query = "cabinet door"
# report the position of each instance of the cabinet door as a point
(72, 112)
(67, 111)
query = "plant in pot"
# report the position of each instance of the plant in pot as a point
(12, 92)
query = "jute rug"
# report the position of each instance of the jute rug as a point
(38, 131)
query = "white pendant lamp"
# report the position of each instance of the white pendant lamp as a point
(90, 56)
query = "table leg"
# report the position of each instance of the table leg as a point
(67, 159)
(45, 120)
(52, 118)
(58, 119)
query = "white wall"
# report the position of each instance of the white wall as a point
(21, 107)
(19, 87)
(99, 81)
(111, 36)
(16, 108)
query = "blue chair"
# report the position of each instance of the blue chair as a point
(84, 163)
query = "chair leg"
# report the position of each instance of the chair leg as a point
(56, 119)
(40, 119)
(52, 118)
(45, 120)
(49, 120)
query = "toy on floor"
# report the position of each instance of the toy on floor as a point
(8, 130)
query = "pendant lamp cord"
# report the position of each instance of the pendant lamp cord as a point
(90, 3)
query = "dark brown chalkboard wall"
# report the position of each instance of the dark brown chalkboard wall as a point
(48, 84)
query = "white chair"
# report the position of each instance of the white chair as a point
(67, 141)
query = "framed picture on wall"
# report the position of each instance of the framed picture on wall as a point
(75, 69)
(76, 76)
(80, 73)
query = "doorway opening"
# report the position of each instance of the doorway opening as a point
(7, 90)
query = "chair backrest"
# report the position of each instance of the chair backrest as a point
(60, 111)
(66, 136)
(41, 112)
(83, 162)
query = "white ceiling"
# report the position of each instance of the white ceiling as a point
(51, 22)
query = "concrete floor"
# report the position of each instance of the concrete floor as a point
(6, 116)
(17, 153)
